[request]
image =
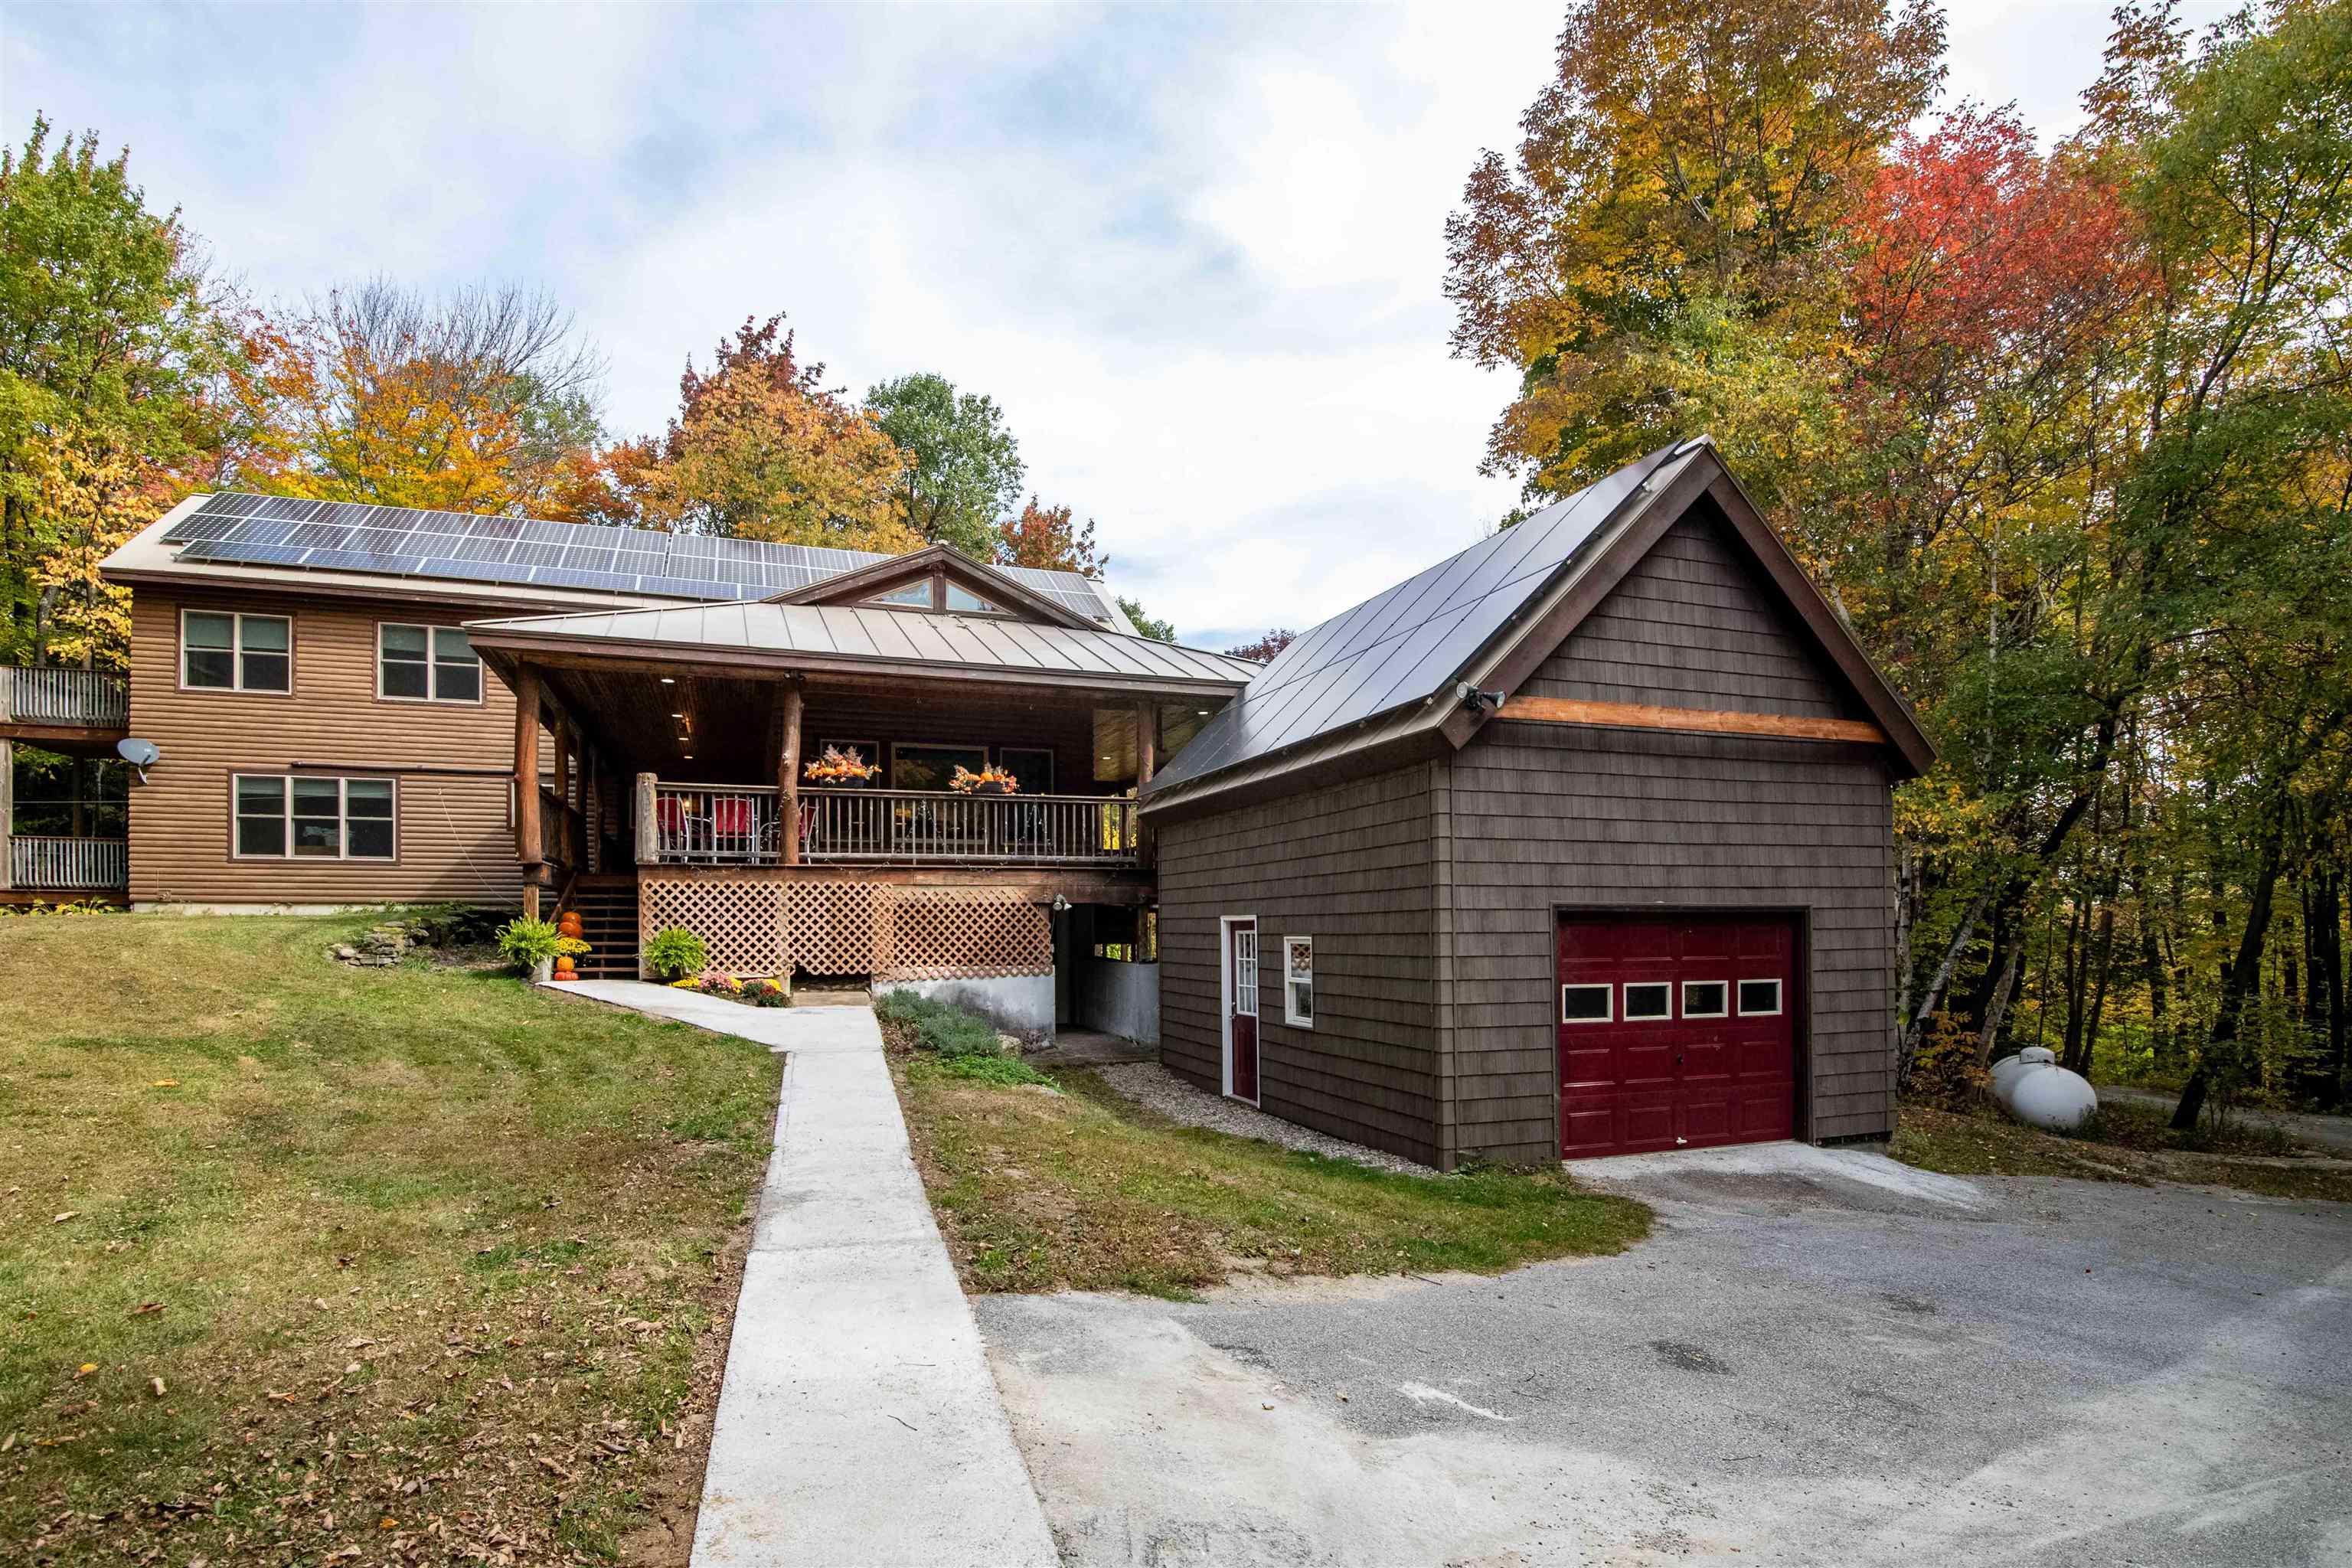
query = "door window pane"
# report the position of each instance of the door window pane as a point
(210, 643)
(1650, 1000)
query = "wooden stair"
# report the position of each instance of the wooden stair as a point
(607, 903)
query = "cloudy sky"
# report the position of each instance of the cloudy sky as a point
(1195, 253)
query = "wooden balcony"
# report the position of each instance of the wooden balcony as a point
(725, 825)
(80, 712)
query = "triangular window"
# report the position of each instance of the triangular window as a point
(916, 596)
(964, 601)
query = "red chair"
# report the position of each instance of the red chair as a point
(734, 823)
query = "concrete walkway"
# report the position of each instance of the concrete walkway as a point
(858, 1423)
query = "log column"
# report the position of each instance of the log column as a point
(1147, 747)
(525, 787)
(788, 776)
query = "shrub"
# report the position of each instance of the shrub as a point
(1945, 1073)
(528, 942)
(1006, 1070)
(676, 952)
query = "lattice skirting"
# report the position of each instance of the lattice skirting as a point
(760, 926)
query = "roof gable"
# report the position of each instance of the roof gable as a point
(1384, 674)
(942, 569)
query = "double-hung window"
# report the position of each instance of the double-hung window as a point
(1298, 981)
(307, 817)
(220, 651)
(426, 664)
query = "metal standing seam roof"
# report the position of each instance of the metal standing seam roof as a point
(1381, 660)
(903, 636)
(232, 528)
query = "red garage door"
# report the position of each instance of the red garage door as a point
(1676, 1031)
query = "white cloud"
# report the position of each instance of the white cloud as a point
(1197, 254)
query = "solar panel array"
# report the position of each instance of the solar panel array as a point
(1409, 643)
(353, 536)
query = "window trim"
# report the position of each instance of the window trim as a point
(1289, 978)
(432, 670)
(1608, 995)
(1625, 1002)
(286, 781)
(237, 686)
(1722, 1012)
(1779, 997)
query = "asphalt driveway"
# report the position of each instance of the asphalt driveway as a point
(1817, 1359)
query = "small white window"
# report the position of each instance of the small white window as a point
(1705, 999)
(1298, 981)
(1649, 999)
(1584, 1003)
(426, 664)
(224, 652)
(1759, 998)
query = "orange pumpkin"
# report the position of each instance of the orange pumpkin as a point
(569, 924)
(565, 968)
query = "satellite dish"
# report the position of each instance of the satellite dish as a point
(139, 754)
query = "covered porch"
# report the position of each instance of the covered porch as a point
(61, 786)
(809, 820)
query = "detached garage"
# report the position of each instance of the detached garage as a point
(1578, 843)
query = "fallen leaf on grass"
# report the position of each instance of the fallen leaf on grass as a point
(157, 1385)
(167, 1083)
(145, 1308)
(69, 1214)
(86, 1368)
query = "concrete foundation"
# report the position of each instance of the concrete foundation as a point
(1017, 1003)
(1119, 998)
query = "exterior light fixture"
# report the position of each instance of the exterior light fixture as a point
(669, 680)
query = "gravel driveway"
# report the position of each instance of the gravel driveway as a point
(1818, 1359)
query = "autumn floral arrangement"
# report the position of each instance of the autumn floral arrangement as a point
(756, 991)
(838, 766)
(987, 781)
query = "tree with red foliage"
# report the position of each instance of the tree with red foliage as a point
(1044, 537)
(1265, 647)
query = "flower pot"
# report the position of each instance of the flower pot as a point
(542, 971)
(991, 787)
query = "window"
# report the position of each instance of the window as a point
(224, 652)
(1032, 768)
(308, 817)
(426, 664)
(1704, 999)
(930, 767)
(1584, 1003)
(914, 595)
(1650, 999)
(1759, 998)
(1298, 981)
(963, 600)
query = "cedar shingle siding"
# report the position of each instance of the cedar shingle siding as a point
(1349, 865)
(1433, 892)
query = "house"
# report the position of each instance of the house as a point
(1577, 843)
(357, 705)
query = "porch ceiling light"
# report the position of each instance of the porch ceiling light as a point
(669, 680)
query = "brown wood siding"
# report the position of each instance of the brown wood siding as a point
(1691, 628)
(1547, 816)
(453, 837)
(1349, 865)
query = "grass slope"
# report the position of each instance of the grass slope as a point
(1083, 1190)
(424, 1263)
(2121, 1143)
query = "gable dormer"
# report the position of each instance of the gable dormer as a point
(937, 580)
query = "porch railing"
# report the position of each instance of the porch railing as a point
(739, 826)
(41, 863)
(50, 694)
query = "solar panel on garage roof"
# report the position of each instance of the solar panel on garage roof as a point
(353, 536)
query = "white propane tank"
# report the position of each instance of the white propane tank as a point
(2033, 1088)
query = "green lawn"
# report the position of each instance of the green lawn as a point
(305, 1263)
(1083, 1190)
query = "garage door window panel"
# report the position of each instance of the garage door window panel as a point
(1585, 1004)
(1705, 999)
(1759, 998)
(1648, 999)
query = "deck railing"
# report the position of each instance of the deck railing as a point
(41, 863)
(724, 825)
(51, 695)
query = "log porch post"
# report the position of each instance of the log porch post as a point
(1147, 746)
(788, 776)
(648, 831)
(526, 787)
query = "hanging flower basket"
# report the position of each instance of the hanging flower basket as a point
(840, 767)
(987, 781)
